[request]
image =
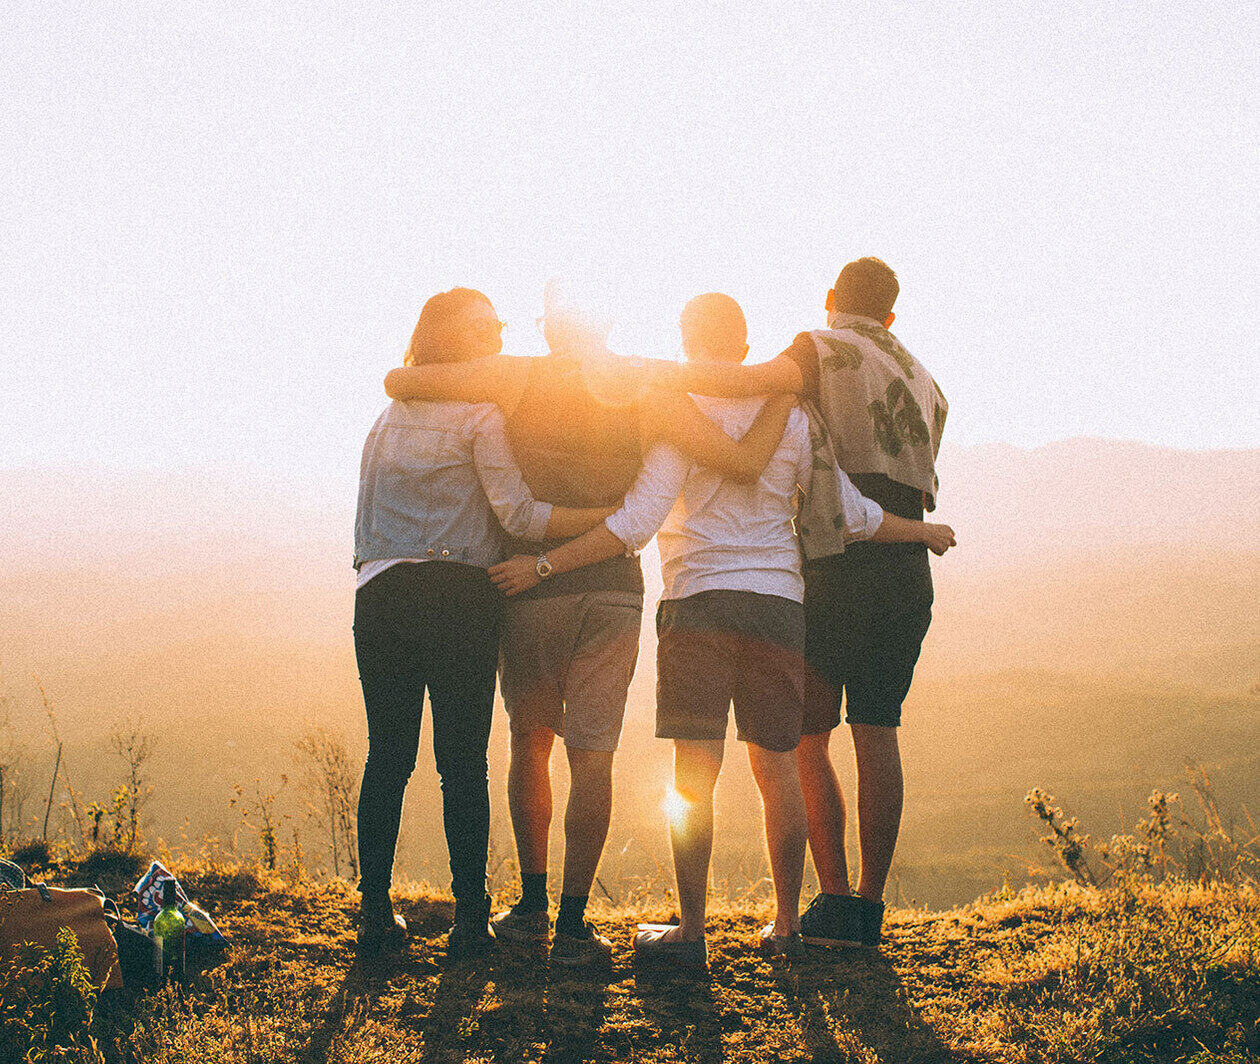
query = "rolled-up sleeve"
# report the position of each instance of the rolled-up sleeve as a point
(509, 496)
(862, 516)
(650, 498)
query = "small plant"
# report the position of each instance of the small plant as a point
(1064, 838)
(331, 783)
(113, 827)
(15, 783)
(46, 1003)
(1164, 844)
(1214, 849)
(134, 747)
(259, 814)
(60, 771)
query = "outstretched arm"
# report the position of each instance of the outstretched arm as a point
(894, 529)
(865, 519)
(642, 512)
(673, 418)
(495, 379)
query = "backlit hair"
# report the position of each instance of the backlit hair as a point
(438, 334)
(867, 287)
(714, 322)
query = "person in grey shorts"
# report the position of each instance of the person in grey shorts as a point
(566, 663)
(731, 627)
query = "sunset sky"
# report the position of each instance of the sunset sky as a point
(219, 228)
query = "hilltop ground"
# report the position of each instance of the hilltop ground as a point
(1055, 974)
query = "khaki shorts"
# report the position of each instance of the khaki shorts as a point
(566, 662)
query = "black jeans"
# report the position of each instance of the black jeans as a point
(434, 625)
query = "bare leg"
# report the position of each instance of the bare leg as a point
(880, 792)
(529, 797)
(696, 766)
(786, 830)
(586, 817)
(824, 808)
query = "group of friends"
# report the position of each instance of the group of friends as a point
(503, 502)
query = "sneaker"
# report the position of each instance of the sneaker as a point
(790, 946)
(471, 934)
(381, 930)
(872, 922)
(845, 920)
(470, 940)
(651, 946)
(589, 951)
(525, 927)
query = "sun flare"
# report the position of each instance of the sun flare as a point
(676, 807)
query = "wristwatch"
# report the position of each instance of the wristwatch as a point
(542, 567)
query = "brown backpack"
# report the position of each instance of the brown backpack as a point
(36, 914)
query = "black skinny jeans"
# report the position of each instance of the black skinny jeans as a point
(434, 625)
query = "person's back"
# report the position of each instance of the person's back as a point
(570, 645)
(722, 534)
(575, 450)
(867, 610)
(420, 493)
(885, 414)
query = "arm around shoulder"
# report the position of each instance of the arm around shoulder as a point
(496, 379)
(676, 419)
(729, 380)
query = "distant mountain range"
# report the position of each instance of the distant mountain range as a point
(1008, 504)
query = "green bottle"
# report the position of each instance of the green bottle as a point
(168, 936)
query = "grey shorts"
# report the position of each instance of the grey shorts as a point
(565, 663)
(719, 647)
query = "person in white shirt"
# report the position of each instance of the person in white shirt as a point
(731, 628)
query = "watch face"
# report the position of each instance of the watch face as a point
(543, 567)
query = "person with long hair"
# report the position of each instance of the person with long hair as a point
(439, 492)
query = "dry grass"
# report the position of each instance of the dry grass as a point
(1070, 973)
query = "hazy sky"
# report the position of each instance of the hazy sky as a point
(219, 227)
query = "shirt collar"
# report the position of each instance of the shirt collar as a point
(838, 319)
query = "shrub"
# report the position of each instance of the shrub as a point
(1165, 845)
(46, 1003)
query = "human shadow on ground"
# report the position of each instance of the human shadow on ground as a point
(850, 1001)
(507, 1005)
(353, 999)
(573, 1016)
(453, 1024)
(681, 1005)
(366, 979)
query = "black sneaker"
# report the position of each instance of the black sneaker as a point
(872, 922)
(590, 950)
(526, 926)
(845, 920)
(471, 934)
(381, 930)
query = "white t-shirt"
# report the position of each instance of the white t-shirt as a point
(717, 534)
